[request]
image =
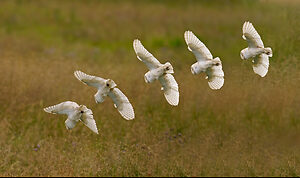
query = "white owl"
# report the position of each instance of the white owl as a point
(205, 61)
(158, 71)
(75, 113)
(256, 50)
(107, 87)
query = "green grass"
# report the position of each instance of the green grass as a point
(250, 127)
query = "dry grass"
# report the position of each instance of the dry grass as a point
(251, 127)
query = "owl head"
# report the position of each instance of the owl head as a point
(168, 68)
(110, 84)
(82, 109)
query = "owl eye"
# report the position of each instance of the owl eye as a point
(167, 68)
(217, 64)
(107, 84)
(81, 112)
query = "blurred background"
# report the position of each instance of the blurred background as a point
(251, 127)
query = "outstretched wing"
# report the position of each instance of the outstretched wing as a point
(143, 55)
(90, 80)
(215, 76)
(122, 103)
(251, 35)
(89, 121)
(67, 107)
(201, 52)
(261, 64)
(170, 88)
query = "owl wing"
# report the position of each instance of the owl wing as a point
(261, 64)
(89, 121)
(200, 51)
(145, 56)
(90, 80)
(67, 108)
(251, 35)
(215, 76)
(170, 88)
(122, 103)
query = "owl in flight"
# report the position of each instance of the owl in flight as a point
(75, 113)
(158, 71)
(212, 67)
(107, 87)
(256, 50)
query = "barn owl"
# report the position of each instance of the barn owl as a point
(256, 50)
(205, 61)
(157, 71)
(107, 87)
(75, 113)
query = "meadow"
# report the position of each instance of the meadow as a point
(251, 127)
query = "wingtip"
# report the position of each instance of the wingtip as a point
(247, 26)
(246, 22)
(188, 31)
(174, 104)
(173, 101)
(263, 75)
(261, 71)
(77, 73)
(48, 110)
(216, 84)
(187, 35)
(129, 116)
(135, 42)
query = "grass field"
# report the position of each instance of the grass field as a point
(251, 127)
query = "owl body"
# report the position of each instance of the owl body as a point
(104, 90)
(154, 74)
(251, 52)
(200, 66)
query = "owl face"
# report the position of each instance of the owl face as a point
(168, 68)
(110, 84)
(82, 109)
